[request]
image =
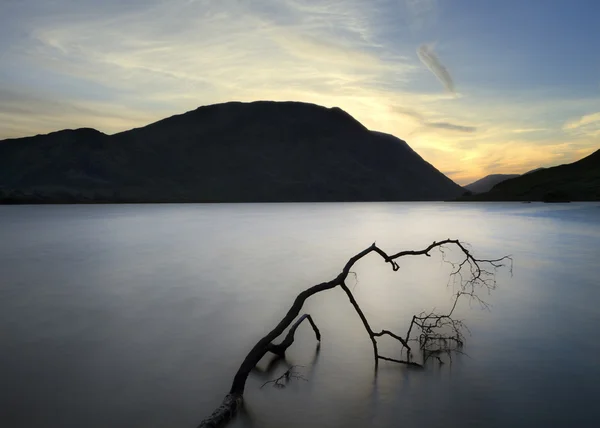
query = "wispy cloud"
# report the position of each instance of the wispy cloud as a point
(528, 130)
(450, 126)
(430, 59)
(412, 113)
(44, 112)
(588, 122)
(218, 51)
(428, 124)
(452, 173)
(496, 147)
(162, 59)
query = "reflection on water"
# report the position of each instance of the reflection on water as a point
(128, 316)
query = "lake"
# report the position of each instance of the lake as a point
(139, 315)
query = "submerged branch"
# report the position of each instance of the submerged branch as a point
(408, 363)
(429, 325)
(289, 374)
(280, 348)
(362, 317)
(398, 338)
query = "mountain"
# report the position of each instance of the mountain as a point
(578, 181)
(486, 183)
(534, 170)
(233, 152)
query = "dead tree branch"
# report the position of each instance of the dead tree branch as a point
(289, 374)
(280, 348)
(434, 328)
(408, 363)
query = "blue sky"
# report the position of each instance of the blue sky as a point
(475, 87)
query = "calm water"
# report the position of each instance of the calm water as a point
(138, 316)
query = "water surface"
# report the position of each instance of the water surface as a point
(139, 315)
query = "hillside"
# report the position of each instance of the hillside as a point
(233, 152)
(486, 183)
(534, 170)
(578, 181)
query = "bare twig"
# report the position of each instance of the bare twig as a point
(289, 374)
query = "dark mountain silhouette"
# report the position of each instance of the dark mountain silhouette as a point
(233, 152)
(486, 183)
(578, 181)
(534, 170)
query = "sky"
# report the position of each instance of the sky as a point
(474, 86)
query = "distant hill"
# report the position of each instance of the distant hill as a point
(578, 181)
(233, 152)
(486, 183)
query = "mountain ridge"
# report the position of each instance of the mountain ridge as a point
(486, 183)
(577, 181)
(263, 151)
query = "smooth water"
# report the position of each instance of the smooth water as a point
(139, 315)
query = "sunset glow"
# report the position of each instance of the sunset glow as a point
(474, 87)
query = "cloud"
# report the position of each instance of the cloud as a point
(173, 56)
(42, 113)
(454, 172)
(450, 126)
(586, 126)
(261, 46)
(429, 58)
(427, 124)
(518, 157)
(528, 130)
(317, 50)
(584, 121)
(408, 112)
